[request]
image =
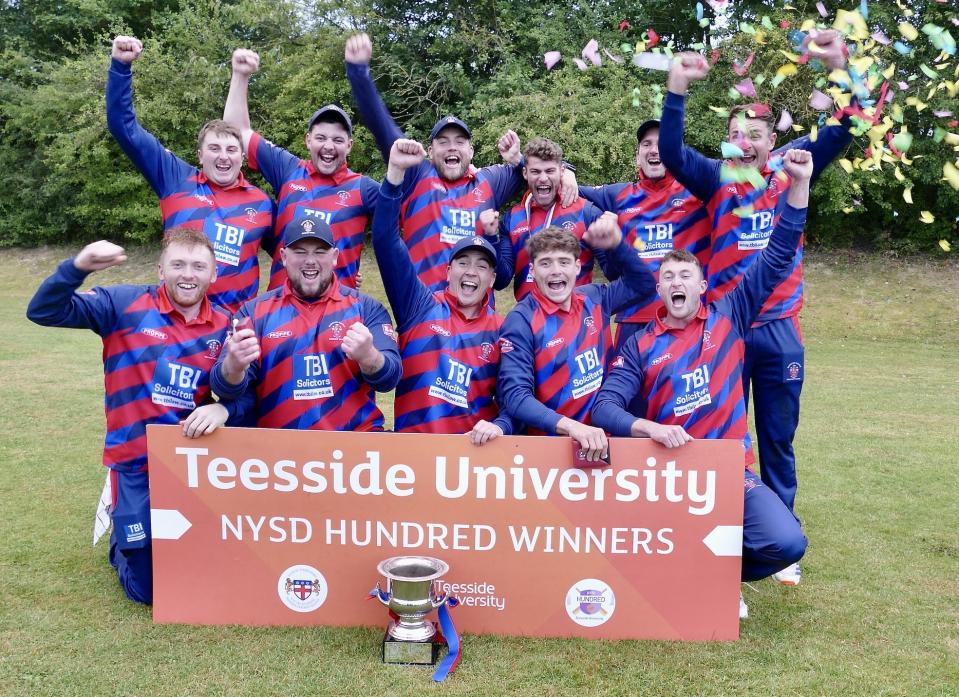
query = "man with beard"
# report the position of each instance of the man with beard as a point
(322, 187)
(312, 351)
(538, 209)
(449, 338)
(555, 343)
(236, 216)
(444, 195)
(159, 345)
(744, 198)
(688, 368)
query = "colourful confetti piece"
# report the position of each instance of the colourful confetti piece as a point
(951, 174)
(742, 69)
(785, 121)
(746, 88)
(908, 31)
(743, 211)
(551, 58)
(880, 38)
(927, 217)
(822, 9)
(902, 141)
(591, 52)
(820, 101)
(580, 64)
(907, 195)
(946, 247)
(729, 150)
(904, 49)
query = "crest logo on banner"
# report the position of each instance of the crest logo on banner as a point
(590, 602)
(302, 588)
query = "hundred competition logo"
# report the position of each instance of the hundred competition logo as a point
(590, 602)
(302, 588)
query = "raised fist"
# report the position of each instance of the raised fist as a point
(359, 49)
(687, 67)
(798, 164)
(126, 49)
(604, 232)
(508, 146)
(245, 62)
(100, 255)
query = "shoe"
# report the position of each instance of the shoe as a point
(743, 608)
(789, 576)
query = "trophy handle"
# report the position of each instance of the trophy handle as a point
(382, 595)
(438, 600)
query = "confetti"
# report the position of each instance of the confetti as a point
(745, 88)
(951, 174)
(653, 37)
(846, 165)
(699, 11)
(927, 217)
(580, 64)
(785, 121)
(904, 49)
(902, 141)
(743, 211)
(880, 38)
(652, 61)
(591, 52)
(822, 9)
(908, 31)
(907, 195)
(945, 245)
(624, 25)
(551, 58)
(820, 101)
(729, 150)
(742, 69)
(612, 57)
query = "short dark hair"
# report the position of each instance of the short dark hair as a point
(682, 255)
(187, 237)
(543, 149)
(756, 110)
(220, 128)
(552, 239)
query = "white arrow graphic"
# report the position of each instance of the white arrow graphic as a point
(725, 541)
(168, 524)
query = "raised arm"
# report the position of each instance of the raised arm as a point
(236, 110)
(636, 284)
(369, 103)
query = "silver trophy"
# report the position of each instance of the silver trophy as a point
(411, 595)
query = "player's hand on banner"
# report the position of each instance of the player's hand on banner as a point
(568, 188)
(406, 153)
(204, 420)
(99, 255)
(592, 440)
(245, 62)
(359, 49)
(489, 222)
(484, 431)
(126, 49)
(672, 436)
(798, 164)
(240, 350)
(509, 148)
(686, 67)
(604, 232)
(827, 46)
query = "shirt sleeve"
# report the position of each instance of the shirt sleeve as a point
(691, 168)
(768, 271)
(505, 262)
(377, 320)
(162, 169)
(372, 110)
(505, 180)
(604, 197)
(56, 304)
(635, 286)
(407, 295)
(515, 384)
(622, 384)
(272, 161)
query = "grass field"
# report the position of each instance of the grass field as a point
(877, 612)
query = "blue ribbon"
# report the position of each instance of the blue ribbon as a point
(448, 664)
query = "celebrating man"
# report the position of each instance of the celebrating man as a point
(236, 216)
(322, 187)
(449, 338)
(688, 369)
(159, 345)
(313, 351)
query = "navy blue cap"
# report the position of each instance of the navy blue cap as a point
(477, 243)
(307, 228)
(449, 121)
(645, 128)
(337, 114)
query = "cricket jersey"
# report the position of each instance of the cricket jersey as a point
(303, 379)
(656, 217)
(741, 216)
(435, 213)
(344, 200)
(692, 376)
(237, 219)
(523, 221)
(156, 365)
(450, 361)
(552, 360)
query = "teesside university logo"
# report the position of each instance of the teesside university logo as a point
(590, 602)
(302, 588)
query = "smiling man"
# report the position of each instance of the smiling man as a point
(236, 216)
(687, 367)
(449, 339)
(159, 345)
(539, 208)
(313, 352)
(322, 187)
(555, 343)
(744, 198)
(444, 195)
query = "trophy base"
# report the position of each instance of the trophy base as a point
(420, 653)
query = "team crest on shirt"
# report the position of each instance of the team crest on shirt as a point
(250, 214)
(479, 195)
(486, 351)
(618, 362)
(569, 225)
(590, 324)
(677, 203)
(336, 329)
(389, 331)
(213, 348)
(343, 198)
(707, 341)
(794, 372)
(505, 345)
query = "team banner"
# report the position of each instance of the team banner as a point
(283, 527)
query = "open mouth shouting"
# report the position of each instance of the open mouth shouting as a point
(677, 299)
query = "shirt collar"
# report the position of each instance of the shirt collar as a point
(240, 183)
(331, 291)
(204, 316)
(337, 178)
(551, 308)
(663, 182)
(457, 310)
(662, 327)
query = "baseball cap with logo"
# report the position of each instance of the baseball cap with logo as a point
(331, 112)
(645, 128)
(449, 121)
(478, 244)
(307, 228)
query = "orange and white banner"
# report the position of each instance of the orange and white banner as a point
(276, 527)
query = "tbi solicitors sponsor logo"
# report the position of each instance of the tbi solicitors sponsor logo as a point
(590, 602)
(302, 588)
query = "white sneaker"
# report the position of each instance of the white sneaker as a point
(743, 608)
(789, 576)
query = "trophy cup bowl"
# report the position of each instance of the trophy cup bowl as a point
(410, 594)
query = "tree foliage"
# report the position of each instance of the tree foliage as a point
(66, 180)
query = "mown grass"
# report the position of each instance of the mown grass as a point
(877, 612)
